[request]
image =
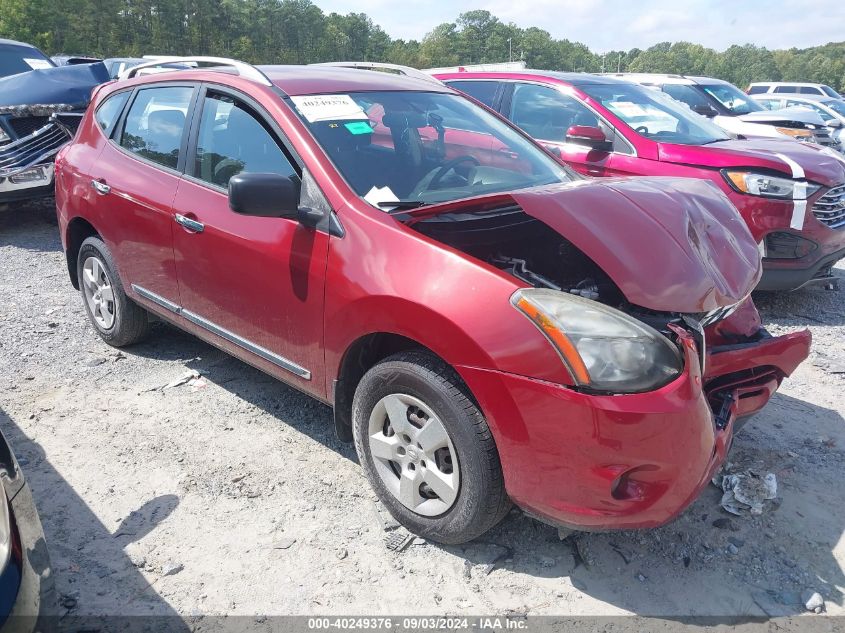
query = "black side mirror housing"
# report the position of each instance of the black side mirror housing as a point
(705, 109)
(264, 195)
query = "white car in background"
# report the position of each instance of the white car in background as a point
(830, 109)
(733, 110)
(792, 88)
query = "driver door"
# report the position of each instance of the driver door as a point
(256, 284)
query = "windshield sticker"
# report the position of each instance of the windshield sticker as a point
(381, 194)
(628, 109)
(328, 108)
(359, 127)
(38, 64)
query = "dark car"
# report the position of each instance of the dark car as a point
(27, 590)
(32, 91)
(488, 325)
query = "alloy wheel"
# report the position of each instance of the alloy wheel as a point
(97, 288)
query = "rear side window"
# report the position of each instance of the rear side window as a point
(109, 110)
(757, 90)
(155, 124)
(483, 91)
(786, 89)
(546, 114)
(232, 140)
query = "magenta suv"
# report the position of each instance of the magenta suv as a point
(791, 195)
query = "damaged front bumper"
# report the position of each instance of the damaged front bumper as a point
(598, 462)
(26, 160)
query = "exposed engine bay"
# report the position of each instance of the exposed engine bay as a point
(536, 254)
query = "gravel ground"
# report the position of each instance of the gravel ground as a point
(232, 495)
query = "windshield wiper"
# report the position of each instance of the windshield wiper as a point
(401, 204)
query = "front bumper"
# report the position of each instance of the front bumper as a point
(772, 219)
(595, 462)
(778, 275)
(36, 181)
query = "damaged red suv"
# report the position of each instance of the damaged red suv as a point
(488, 326)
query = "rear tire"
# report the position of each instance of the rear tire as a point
(117, 319)
(414, 422)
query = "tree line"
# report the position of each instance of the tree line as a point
(299, 32)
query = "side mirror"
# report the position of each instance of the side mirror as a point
(705, 109)
(590, 136)
(833, 123)
(264, 195)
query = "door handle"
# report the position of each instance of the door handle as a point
(100, 187)
(188, 223)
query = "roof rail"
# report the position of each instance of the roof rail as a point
(243, 69)
(396, 68)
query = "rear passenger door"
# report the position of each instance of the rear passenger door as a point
(134, 182)
(254, 283)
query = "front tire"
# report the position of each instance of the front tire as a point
(117, 319)
(427, 450)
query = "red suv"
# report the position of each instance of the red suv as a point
(488, 326)
(792, 195)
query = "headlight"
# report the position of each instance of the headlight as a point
(770, 186)
(603, 349)
(799, 134)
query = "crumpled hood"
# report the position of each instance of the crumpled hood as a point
(785, 115)
(669, 244)
(793, 159)
(65, 85)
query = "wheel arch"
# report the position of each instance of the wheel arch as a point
(78, 230)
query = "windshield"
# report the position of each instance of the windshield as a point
(836, 106)
(422, 147)
(830, 92)
(732, 98)
(655, 115)
(21, 59)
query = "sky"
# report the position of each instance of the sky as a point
(624, 24)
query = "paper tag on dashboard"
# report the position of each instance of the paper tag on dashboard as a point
(328, 108)
(381, 194)
(37, 64)
(627, 108)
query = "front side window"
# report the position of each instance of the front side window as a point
(732, 98)
(686, 94)
(655, 115)
(546, 113)
(110, 109)
(770, 104)
(422, 147)
(483, 91)
(155, 124)
(810, 90)
(232, 140)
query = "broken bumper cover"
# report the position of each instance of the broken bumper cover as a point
(597, 462)
(26, 164)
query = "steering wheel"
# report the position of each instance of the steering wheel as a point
(448, 166)
(641, 130)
